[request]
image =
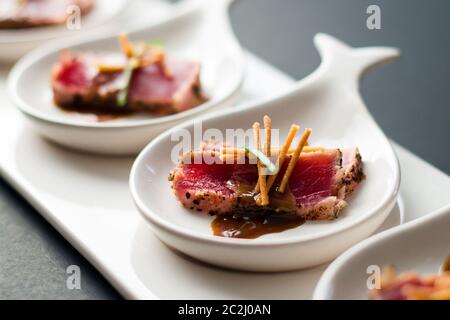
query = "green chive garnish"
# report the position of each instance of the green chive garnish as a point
(122, 95)
(266, 162)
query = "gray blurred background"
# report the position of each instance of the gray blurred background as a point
(409, 99)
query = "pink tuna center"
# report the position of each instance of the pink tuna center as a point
(312, 179)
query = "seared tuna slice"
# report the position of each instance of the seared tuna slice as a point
(35, 13)
(79, 84)
(317, 186)
(208, 188)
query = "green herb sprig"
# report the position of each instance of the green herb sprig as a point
(266, 162)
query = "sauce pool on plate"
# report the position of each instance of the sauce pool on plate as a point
(251, 226)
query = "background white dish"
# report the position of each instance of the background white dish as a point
(420, 245)
(14, 43)
(126, 252)
(110, 16)
(327, 101)
(200, 34)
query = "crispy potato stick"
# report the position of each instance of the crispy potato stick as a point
(294, 160)
(242, 155)
(109, 68)
(268, 130)
(283, 152)
(273, 151)
(232, 159)
(267, 143)
(261, 178)
(125, 45)
(159, 57)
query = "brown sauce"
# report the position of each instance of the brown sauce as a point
(251, 226)
(279, 202)
(251, 221)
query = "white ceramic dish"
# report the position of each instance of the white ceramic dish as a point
(200, 32)
(420, 245)
(15, 43)
(126, 252)
(327, 101)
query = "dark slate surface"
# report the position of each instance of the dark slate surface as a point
(409, 99)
